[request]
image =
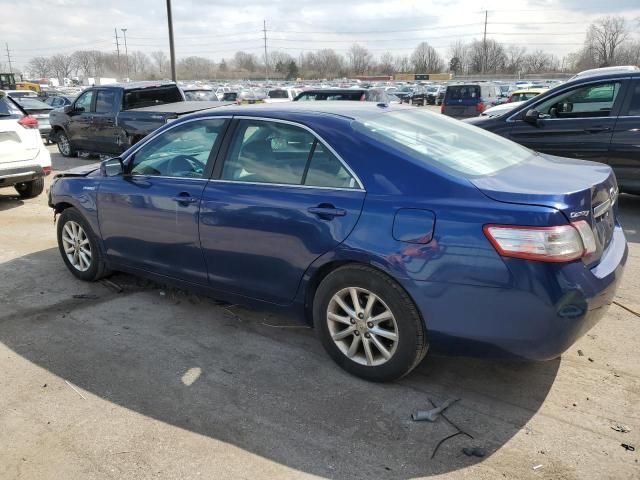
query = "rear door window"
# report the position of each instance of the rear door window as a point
(634, 104)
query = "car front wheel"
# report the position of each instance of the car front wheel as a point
(78, 246)
(368, 324)
(64, 145)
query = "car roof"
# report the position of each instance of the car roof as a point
(353, 110)
(335, 90)
(531, 90)
(137, 85)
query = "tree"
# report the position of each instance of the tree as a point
(604, 37)
(223, 65)
(403, 64)
(426, 59)
(515, 56)
(486, 57)
(139, 64)
(292, 70)
(460, 52)
(39, 67)
(245, 61)
(82, 62)
(359, 59)
(538, 62)
(387, 64)
(161, 61)
(61, 66)
(325, 63)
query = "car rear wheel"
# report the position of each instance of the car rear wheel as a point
(64, 145)
(368, 324)
(79, 247)
(30, 189)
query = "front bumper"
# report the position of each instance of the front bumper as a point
(549, 307)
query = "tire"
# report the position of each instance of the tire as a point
(67, 229)
(65, 147)
(404, 353)
(30, 189)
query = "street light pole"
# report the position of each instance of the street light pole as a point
(126, 52)
(172, 51)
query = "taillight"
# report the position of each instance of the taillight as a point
(562, 243)
(46, 170)
(480, 107)
(28, 122)
(442, 107)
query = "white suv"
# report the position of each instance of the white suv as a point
(24, 160)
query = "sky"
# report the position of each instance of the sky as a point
(218, 28)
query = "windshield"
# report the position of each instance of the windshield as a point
(444, 142)
(313, 96)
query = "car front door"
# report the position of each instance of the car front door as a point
(104, 132)
(624, 151)
(149, 215)
(281, 199)
(80, 118)
(577, 122)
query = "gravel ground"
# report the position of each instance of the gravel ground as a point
(154, 382)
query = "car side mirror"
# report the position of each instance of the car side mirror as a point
(111, 167)
(67, 108)
(532, 117)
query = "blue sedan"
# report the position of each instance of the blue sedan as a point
(389, 228)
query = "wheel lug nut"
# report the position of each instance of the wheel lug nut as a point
(370, 324)
(367, 335)
(361, 315)
(356, 333)
(352, 321)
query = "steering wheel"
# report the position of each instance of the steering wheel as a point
(185, 163)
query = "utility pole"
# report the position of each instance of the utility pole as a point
(9, 58)
(172, 51)
(484, 42)
(126, 51)
(118, 49)
(266, 58)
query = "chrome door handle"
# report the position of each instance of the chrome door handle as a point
(329, 212)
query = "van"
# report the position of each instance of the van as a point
(469, 100)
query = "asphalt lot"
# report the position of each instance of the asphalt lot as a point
(154, 382)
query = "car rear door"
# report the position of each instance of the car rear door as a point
(149, 216)
(624, 150)
(104, 132)
(577, 122)
(279, 199)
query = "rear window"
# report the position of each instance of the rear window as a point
(147, 97)
(8, 108)
(314, 96)
(445, 143)
(33, 104)
(278, 94)
(463, 92)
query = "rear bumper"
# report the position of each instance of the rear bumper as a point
(13, 176)
(547, 310)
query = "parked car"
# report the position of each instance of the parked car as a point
(594, 118)
(21, 93)
(230, 97)
(435, 94)
(469, 100)
(249, 96)
(59, 101)
(279, 95)
(110, 118)
(24, 160)
(606, 70)
(525, 94)
(200, 95)
(403, 92)
(322, 210)
(40, 111)
(500, 109)
(353, 94)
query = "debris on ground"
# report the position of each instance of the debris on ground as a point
(113, 285)
(75, 390)
(284, 326)
(620, 428)
(163, 293)
(580, 354)
(473, 452)
(590, 359)
(630, 310)
(85, 296)
(627, 447)
(459, 430)
(432, 415)
(537, 467)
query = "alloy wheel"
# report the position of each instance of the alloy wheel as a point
(63, 144)
(76, 246)
(362, 326)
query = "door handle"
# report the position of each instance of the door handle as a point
(597, 129)
(327, 212)
(184, 198)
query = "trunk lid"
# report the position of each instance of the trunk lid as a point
(581, 190)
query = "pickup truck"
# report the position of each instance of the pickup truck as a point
(109, 119)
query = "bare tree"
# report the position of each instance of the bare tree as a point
(61, 66)
(538, 62)
(246, 61)
(487, 57)
(426, 59)
(459, 57)
(139, 64)
(403, 64)
(514, 58)
(194, 68)
(39, 67)
(387, 64)
(82, 62)
(326, 63)
(604, 37)
(359, 58)
(160, 59)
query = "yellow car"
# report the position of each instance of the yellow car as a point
(526, 94)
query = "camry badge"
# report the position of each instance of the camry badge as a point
(583, 213)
